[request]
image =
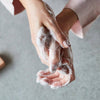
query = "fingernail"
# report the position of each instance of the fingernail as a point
(66, 43)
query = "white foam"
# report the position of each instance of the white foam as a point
(53, 35)
(37, 80)
(41, 44)
(65, 74)
(39, 72)
(53, 87)
(54, 49)
(41, 81)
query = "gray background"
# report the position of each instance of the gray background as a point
(18, 79)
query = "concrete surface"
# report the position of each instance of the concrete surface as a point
(18, 79)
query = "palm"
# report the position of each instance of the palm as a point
(63, 75)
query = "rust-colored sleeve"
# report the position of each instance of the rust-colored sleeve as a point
(13, 6)
(87, 11)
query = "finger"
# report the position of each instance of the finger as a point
(60, 83)
(40, 72)
(54, 55)
(41, 75)
(44, 61)
(43, 72)
(56, 32)
(41, 43)
(51, 81)
(53, 75)
(42, 82)
(65, 72)
(54, 28)
(57, 79)
(42, 79)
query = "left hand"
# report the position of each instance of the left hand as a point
(64, 73)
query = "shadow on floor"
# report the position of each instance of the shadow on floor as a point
(8, 61)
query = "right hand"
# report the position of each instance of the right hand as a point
(40, 14)
(43, 28)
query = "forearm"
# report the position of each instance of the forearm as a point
(85, 9)
(28, 3)
(66, 19)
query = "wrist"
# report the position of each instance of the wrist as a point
(66, 19)
(28, 3)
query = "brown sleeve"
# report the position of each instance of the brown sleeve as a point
(13, 6)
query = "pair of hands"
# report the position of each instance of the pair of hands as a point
(59, 60)
(51, 42)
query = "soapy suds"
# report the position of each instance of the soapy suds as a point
(41, 81)
(50, 11)
(53, 35)
(39, 72)
(43, 38)
(42, 41)
(65, 74)
(53, 51)
(41, 44)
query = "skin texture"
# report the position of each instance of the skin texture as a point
(38, 16)
(42, 17)
(2, 63)
(57, 79)
(48, 48)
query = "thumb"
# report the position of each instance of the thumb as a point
(54, 56)
(54, 28)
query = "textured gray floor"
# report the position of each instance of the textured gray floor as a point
(17, 80)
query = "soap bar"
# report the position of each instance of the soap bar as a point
(2, 63)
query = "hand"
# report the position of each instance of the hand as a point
(63, 75)
(48, 48)
(65, 20)
(43, 26)
(40, 14)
